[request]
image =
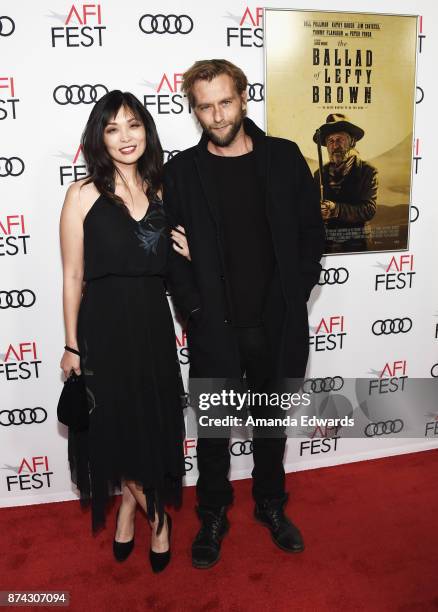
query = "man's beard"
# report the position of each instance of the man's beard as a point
(224, 141)
(339, 156)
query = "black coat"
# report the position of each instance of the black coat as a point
(357, 197)
(294, 216)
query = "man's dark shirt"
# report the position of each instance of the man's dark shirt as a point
(248, 249)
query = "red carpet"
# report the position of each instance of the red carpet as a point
(371, 538)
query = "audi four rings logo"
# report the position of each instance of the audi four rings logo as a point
(414, 212)
(383, 427)
(255, 92)
(170, 154)
(24, 416)
(17, 298)
(11, 166)
(333, 276)
(318, 385)
(78, 94)
(7, 26)
(391, 326)
(166, 24)
(241, 448)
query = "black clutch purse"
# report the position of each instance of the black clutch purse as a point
(73, 406)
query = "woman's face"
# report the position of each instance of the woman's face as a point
(125, 137)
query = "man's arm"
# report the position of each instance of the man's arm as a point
(311, 231)
(366, 207)
(179, 277)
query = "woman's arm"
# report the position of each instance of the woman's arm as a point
(72, 250)
(180, 276)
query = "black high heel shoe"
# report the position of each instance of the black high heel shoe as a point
(122, 550)
(159, 561)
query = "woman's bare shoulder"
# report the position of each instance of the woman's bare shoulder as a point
(82, 190)
(81, 195)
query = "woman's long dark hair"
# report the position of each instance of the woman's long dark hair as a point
(100, 165)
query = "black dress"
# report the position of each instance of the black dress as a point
(128, 357)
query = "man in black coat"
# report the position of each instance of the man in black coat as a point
(252, 218)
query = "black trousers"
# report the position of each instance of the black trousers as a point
(213, 487)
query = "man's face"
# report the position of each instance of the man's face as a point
(338, 146)
(219, 108)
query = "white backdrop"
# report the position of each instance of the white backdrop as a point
(55, 58)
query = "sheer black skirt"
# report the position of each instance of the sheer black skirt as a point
(128, 357)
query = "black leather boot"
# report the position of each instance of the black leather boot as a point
(207, 543)
(283, 532)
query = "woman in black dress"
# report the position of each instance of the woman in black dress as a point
(119, 329)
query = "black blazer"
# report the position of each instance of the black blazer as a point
(293, 212)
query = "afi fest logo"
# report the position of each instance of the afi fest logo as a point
(421, 35)
(249, 31)
(390, 379)
(398, 274)
(182, 348)
(20, 362)
(8, 99)
(13, 235)
(329, 334)
(167, 99)
(321, 440)
(31, 473)
(82, 27)
(73, 171)
(431, 426)
(189, 453)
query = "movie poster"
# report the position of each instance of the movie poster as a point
(342, 86)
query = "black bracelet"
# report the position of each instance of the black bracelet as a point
(72, 350)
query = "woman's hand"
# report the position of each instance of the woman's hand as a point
(70, 362)
(180, 243)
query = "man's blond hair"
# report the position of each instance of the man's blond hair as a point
(207, 70)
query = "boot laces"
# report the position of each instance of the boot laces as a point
(275, 513)
(211, 524)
